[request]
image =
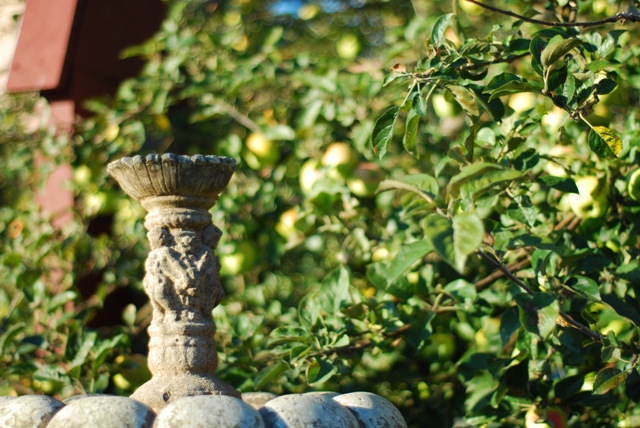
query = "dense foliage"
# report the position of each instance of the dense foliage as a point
(460, 236)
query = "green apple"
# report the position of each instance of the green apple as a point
(348, 46)
(591, 202)
(243, 258)
(133, 371)
(365, 179)
(286, 226)
(470, 8)
(440, 347)
(260, 153)
(558, 151)
(340, 159)
(522, 101)
(310, 174)
(633, 185)
(445, 107)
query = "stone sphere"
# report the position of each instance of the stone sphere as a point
(28, 411)
(103, 412)
(204, 411)
(257, 399)
(306, 410)
(371, 410)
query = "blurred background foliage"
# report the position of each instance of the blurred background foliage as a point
(348, 268)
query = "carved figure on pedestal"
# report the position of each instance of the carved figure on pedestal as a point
(182, 271)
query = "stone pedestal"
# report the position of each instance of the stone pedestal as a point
(182, 271)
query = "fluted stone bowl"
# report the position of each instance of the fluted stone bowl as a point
(195, 181)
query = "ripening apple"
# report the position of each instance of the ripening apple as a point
(260, 153)
(591, 202)
(133, 371)
(286, 226)
(558, 151)
(310, 173)
(550, 417)
(522, 101)
(243, 259)
(365, 179)
(348, 46)
(633, 185)
(340, 159)
(470, 8)
(445, 107)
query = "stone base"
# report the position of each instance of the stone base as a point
(161, 391)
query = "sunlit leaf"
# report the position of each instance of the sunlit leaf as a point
(468, 232)
(557, 48)
(383, 131)
(439, 28)
(608, 379)
(604, 142)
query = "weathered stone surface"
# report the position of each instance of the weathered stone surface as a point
(6, 398)
(28, 411)
(257, 399)
(305, 411)
(182, 271)
(207, 411)
(371, 410)
(103, 412)
(81, 397)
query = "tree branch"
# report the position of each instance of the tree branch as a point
(566, 317)
(621, 17)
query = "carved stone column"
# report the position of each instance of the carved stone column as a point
(182, 271)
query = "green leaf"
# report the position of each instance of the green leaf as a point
(334, 290)
(440, 27)
(461, 290)
(420, 105)
(522, 210)
(608, 379)
(407, 256)
(84, 349)
(411, 132)
(61, 299)
(468, 173)
(439, 232)
(11, 332)
(472, 189)
(400, 287)
(501, 80)
(424, 182)
(566, 185)
(268, 374)
(586, 287)
(465, 98)
(509, 324)
(557, 48)
(538, 313)
(604, 142)
(515, 87)
(536, 47)
(468, 232)
(320, 371)
(280, 132)
(383, 131)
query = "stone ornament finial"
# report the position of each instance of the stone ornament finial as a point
(182, 271)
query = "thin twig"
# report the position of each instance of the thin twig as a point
(484, 282)
(566, 317)
(242, 119)
(507, 272)
(620, 17)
